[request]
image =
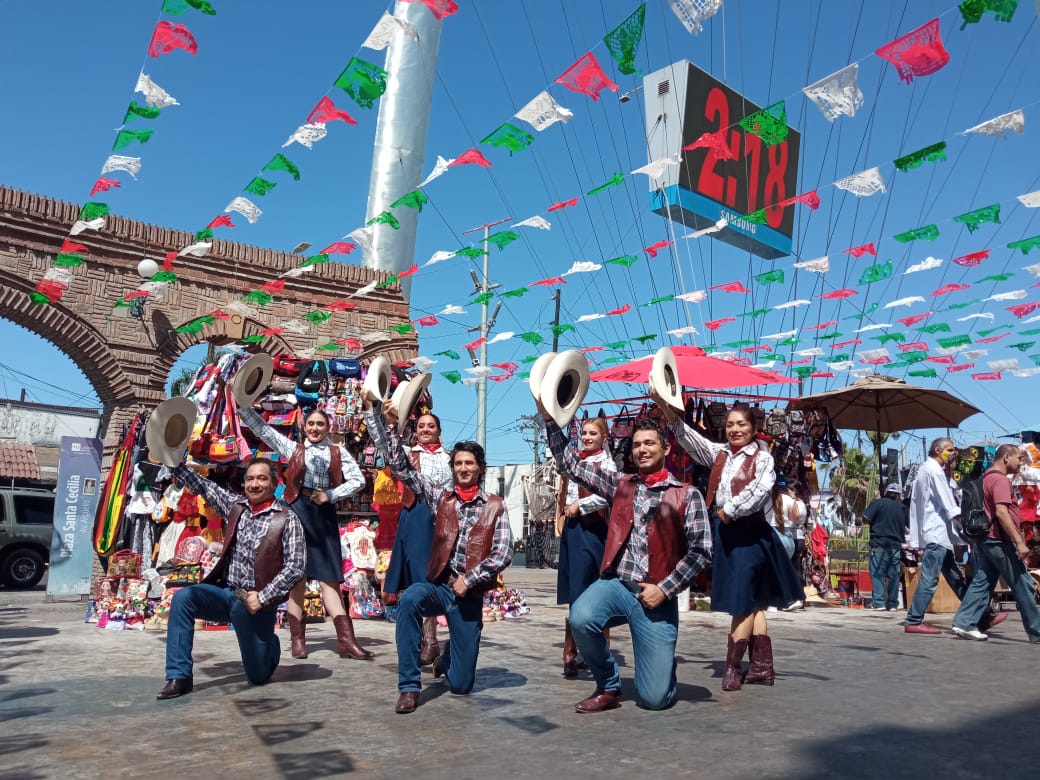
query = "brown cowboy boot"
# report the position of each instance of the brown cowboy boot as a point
(760, 671)
(430, 648)
(348, 645)
(734, 657)
(297, 637)
(570, 652)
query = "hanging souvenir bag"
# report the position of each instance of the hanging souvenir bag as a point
(287, 364)
(349, 368)
(310, 385)
(624, 424)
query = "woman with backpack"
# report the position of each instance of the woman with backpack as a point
(319, 474)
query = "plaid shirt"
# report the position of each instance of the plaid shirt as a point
(435, 466)
(427, 490)
(634, 562)
(252, 528)
(316, 458)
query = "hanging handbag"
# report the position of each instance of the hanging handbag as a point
(624, 424)
(349, 368)
(288, 364)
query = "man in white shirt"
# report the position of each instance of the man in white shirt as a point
(933, 509)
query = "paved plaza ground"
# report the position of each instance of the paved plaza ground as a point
(855, 697)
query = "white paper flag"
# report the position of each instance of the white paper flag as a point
(582, 267)
(80, 225)
(1025, 371)
(58, 274)
(241, 307)
(861, 371)
(925, 265)
(692, 297)
(295, 273)
(837, 94)
(841, 365)
(708, 230)
(657, 168)
(729, 357)
(364, 290)
(479, 371)
(1030, 200)
(1003, 365)
(863, 184)
(1034, 270)
(156, 290)
(198, 249)
(299, 327)
(424, 364)
(693, 12)
(793, 304)
(785, 335)
(438, 256)
(811, 352)
(818, 266)
(680, 332)
(385, 30)
(363, 236)
(308, 135)
(439, 169)
(905, 302)
(543, 112)
(999, 127)
(536, 222)
(1014, 295)
(591, 317)
(154, 95)
(504, 336)
(765, 364)
(245, 207)
(452, 309)
(871, 355)
(975, 354)
(118, 162)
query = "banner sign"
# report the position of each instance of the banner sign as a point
(75, 502)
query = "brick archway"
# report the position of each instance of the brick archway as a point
(128, 359)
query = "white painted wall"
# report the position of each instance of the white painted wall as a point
(507, 481)
(44, 425)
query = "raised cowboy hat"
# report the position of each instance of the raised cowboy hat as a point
(377, 381)
(564, 385)
(664, 376)
(534, 379)
(252, 379)
(169, 429)
(405, 397)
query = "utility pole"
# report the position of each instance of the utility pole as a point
(486, 324)
(556, 320)
(530, 422)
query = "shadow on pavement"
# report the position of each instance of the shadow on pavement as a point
(303, 766)
(279, 734)
(17, 744)
(23, 712)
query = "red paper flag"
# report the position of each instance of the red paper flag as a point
(877, 361)
(428, 321)
(973, 259)
(822, 375)
(810, 199)
(716, 324)
(272, 331)
(341, 306)
(474, 344)
(104, 185)
(222, 220)
(801, 362)
(563, 204)
(737, 287)
(509, 367)
(849, 343)
(913, 319)
(439, 8)
(168, 261)
(69, 247)
(623, 310)
(918, 53)
(946, 360)
(339, 248)
(1022, 309)
(986, 376)
(740, 362)
(351, 344)
(846, 293)
(220, 315)
(715, 143)
(913, 346)
(326, 111)
(822, 325)
(991, 339)
(653, 249)
(962, 367)
(862, 249)
(410, 272)
(273, 287)
(136, 294)
(474, 157)
(586, 350)
(586, 77)
(949, 288)
(168, 36)
(52, 289)
(548, 282)
(499, 377)
(754, 349)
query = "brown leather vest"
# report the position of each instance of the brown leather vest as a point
(298, 467)
(269, 557)
(666, 532)
(745, 476)
(594, 517)
(446, 533)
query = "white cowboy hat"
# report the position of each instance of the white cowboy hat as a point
(252, 378)
(169, 429)
(664, 376)
(534, 379)
(377, 381)
(405, 397)
(564, 385)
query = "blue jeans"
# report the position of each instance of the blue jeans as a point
(465, 622)
(255, 633)
(937, 559)
(607, 603)
(885, 563)
(996, 560)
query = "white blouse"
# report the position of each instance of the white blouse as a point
(435, 466)
(590, 503)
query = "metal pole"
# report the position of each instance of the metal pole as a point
(556, 321)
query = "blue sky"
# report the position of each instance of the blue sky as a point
(261, 67)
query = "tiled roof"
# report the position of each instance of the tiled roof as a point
(18, 460)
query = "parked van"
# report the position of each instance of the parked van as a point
(26, 527)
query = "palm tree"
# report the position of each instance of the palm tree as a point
(181, 383)
(855, 481)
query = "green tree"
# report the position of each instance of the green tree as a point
(182, 382)
(855, 481)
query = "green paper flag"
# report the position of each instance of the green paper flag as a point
(645, 338)
(126, 137)
(887, 337)
(755, 313)
(768, 356)
(660, 299)
(616, 344)
(391, 279)
(923, 372)
(330, 346)
(769, 277)
(123, 303)
(972, 10)
(92, 210)
(832, 335)
(164, 276)
(1030, 332)
(966, 304)
(877, 272)
(921, 156)
(756, 217)
(973, 219)
(385, 218)
(529, 359)
(915, 356)
(624, 261)
(177, 7)
(68, 261)
(709, 348)
(452, 376)
(314, 260)
(448, 353)
(612, 360)
(318, 316)
(613, 181)
(203, 235)
(1025, 244)
(145, 112)
(561, 329)
(1035, 359)
(531, 338)
(926, 233)
(804, 372)
(769, 124)
(403, 329)
(1022, 346)
(471, 252)
(951, 342)
(255, 338)
(413, 200)
(363, 81)
(519, 291)
(839, 357)
(482, 298)
(503, 238)
(790, 342)
(624, 39)
(191, 328)
(939, 327)
(259, 186)
(991, 331)
(39, 299)
(509, 137)
(996, 278)
(258, 297)
(282, 163)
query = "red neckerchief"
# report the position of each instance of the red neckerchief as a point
(589, 453)
(467, 494)
(433, 447)
(258, 508)
(655, 478)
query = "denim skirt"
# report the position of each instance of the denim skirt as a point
(750, 568)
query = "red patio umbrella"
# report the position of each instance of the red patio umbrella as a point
(697, 370)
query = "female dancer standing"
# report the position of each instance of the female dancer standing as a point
(581, 524)
(751, 570)
(319, 474)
